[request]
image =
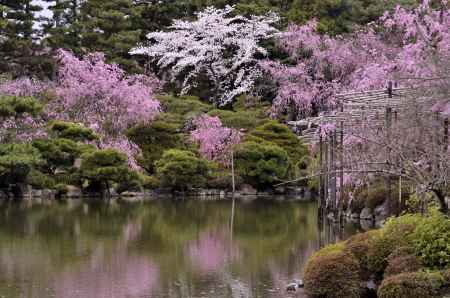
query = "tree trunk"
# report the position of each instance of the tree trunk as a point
(441, 198)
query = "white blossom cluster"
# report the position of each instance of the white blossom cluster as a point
(218, 45)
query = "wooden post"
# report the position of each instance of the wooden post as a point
(321, 193)
(333, 172)
(341, 174)
(446, 135)
(325, 182)
(388, 119)
(390, 89)
(233, 183)
(400, 201)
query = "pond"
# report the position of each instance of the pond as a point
(157, 249)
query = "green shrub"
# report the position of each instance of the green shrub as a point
(223, 180)
(187, 106)
(60, 153)
(181, 170)
(246, 119)
(14, 106)
(431, 240)
(153, 139)
(394, 234)
(415, 284)
(402, 260)
(39, 180)
(282, 136)
(72, 131)
(244, 102)
(102, 167)
(359, 245)
(149, 182)
(333, 272)
(261, 164)
(131, 181)
(16, 162)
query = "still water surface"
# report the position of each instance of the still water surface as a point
(157, 249)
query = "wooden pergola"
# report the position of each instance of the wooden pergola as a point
(380, 107)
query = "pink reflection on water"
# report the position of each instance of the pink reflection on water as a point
(212, 251)
(114, 275)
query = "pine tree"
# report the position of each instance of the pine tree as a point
(110, 27)
(20, 50)
(63, 27)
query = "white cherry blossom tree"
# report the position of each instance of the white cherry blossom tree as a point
(219, 46)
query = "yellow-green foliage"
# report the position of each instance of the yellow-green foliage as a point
(431, 240)
(394, 234)
(405, 244)
(333, 272)
(412, 285)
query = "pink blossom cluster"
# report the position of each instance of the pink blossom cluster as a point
(409, 46)
(23, 87)
(215, 140)
(24, 128)
(104, 98)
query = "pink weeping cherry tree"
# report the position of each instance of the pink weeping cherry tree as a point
(417, 54)
(215, 140)
(408, 46)
(104, 98)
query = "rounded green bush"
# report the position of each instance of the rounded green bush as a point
(411, 285)
(16, 162)
(359, 246)
(431, 240)
(153, 139)
(282, 136)
(261, 164)
(72, 131)
(396, 233)
(102, 167)
(333, 272)
(402, 260)
(245, 119)
(181, 170)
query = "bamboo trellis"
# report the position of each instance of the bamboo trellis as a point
(378, 106)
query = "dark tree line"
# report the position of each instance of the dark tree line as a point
(28, 40)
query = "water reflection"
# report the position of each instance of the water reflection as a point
(157, 249)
